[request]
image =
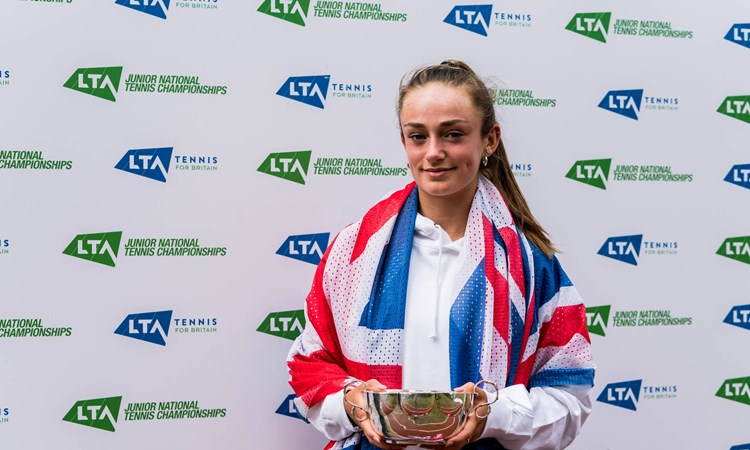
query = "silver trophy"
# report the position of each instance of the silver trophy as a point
(414, 417)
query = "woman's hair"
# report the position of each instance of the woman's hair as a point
(497, 170)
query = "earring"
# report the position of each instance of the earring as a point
(485, 160)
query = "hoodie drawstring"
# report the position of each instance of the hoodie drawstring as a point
(434, 334)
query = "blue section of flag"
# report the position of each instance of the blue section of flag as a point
(466, 329)
(387, 305)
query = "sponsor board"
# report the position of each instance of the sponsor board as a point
(104, 413)
(104, 83)
(739, 175)
(600, 318)
(596, 26)
(739, 316)
(289, 409)
(294, 166)
(628, 249)
(104, 248)
(153, 327)
(735, 389)
(627, 394)
(30, 328)
(736, 248)
(298, 12)
(596, 173)
(736, 107)
(284, 324)
(31, 160)
(154, 163)
(307, 248)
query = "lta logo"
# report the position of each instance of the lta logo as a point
(102, 82)
(739, 34)
(284, 324)
(150, 327)
(623, 248)
(151, 163)
(737, 107)
(597, 319)
(308, 248)
(289, 409)
(739, 175)
(100, 248)
(474, 18)
(592, 25)
(98, 413)
(291, 166)
(625, 103)
(294, 11)
(310, 90)
(623, 394)
(737, 248)
(594, 172)
(156, 8)
(739, 316)
(737, 389)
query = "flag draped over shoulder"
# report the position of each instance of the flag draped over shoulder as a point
(516, 317)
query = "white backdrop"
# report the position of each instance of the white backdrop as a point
(74, 332)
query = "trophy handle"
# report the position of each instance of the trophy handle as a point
(497, 395)
(348, 387)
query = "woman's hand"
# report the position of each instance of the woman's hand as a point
(474, 425)
(359, 417)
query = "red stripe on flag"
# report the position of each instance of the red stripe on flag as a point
(566, 322)
(500, 317)
(377, 216)
(515, 261)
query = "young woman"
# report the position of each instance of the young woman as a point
(444, 283)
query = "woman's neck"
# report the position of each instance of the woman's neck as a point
(450, 213)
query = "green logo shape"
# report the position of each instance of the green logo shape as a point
(591, 25)
(594, 172)
(294, 11)
(100, 248)
(291, 166)
(737, 107)
(597, 319)
(737, 248)
(102, 82)
(736, 389)
(98, 413)
(284, 324)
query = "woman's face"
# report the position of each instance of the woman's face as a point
(441, 133)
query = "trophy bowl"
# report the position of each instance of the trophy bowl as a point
(416, 417)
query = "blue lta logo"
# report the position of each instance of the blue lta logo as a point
(474, 18)
(150, 327)
(289, 409)
(305, 247)
(156, 8)
(623, 248)
(739, 34)
(739, 175)
(623, 394)
(310, 90)
(150, 163)
(625, 103)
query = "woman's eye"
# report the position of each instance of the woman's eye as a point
(417, 137)
(454, 135)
